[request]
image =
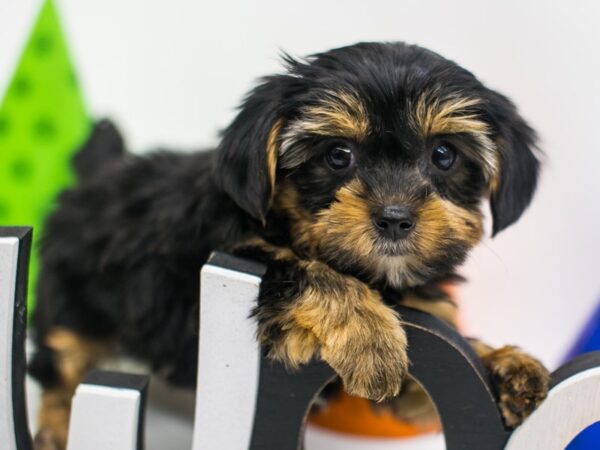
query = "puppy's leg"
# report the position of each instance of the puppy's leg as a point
(414, 405)
(519, 380)
(306, 308)
(72, 358)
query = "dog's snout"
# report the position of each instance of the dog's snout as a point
(394, 222)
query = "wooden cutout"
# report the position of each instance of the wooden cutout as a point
(441, 360)
(108, 412)
(15, 245)
(246, 401)
(228, 354)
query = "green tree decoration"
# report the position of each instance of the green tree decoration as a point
(43, 121)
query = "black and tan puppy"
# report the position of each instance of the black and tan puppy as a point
(357, 176)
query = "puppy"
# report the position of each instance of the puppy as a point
(357, 176)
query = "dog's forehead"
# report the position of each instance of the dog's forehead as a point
(386, 87)
(388, 73)
(378, 93)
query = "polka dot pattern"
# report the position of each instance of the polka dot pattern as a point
(42, 123)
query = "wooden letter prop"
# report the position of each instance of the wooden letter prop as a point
(248, 402)
(108, 412)
(15, 244)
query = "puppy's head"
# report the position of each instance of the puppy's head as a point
(378, 156)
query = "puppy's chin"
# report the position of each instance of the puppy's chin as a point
(403, 265)
(396, 264)
(394, 249)
(399, 269)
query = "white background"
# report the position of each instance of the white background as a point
(171, 73)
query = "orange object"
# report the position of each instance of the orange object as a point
(353, 415)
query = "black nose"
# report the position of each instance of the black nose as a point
(394, 222)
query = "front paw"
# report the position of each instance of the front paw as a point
(413, 405)
(46, 439)
(293, 347)
(520, 381)
(372, 367)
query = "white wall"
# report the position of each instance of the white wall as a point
(172, 72)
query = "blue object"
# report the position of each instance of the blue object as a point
(588, 341)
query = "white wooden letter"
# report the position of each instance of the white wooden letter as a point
(229, 356)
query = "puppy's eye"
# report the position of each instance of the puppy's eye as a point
(339, 157)
(443, 156)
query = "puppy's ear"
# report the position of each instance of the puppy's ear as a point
(514, 186)
(247, 155)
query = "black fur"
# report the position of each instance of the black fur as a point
(241, 154)
(122, 251)
(520, 166)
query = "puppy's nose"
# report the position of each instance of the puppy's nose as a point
(394, 222)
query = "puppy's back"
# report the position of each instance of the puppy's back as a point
(127, 240)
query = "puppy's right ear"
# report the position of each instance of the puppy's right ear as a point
(519, 162)
(247, 155)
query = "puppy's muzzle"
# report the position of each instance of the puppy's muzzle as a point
(394, 222)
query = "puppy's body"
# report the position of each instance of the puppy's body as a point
(356, 176)
(120, 265)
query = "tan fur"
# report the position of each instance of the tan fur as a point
(434, 116)
(413, 406)
(346, 226)
(494, 185)
(347, 221)
(272, 154)
(481, 348)
(277, 253)
(339, 114)
(442, 308)
(301, 220)
(440, 220)
(447, 116)
(75, 356)
(53, 419)
(345, 322)
(494, 182)
(521, 382)
(352, 329)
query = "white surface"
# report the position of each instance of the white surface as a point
(9, 252)
(570, 408)
(318, 438)
(228, 363)
(104, 418)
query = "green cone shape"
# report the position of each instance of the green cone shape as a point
(43, 121)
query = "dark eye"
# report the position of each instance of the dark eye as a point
(339, 157)
(443, 156)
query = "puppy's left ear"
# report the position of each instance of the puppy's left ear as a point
(514, 186)
(247, 154)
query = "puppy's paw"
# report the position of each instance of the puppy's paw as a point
(413, 405)
(371, 366)
(45, 439)
(521, 382)
(294, 347)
